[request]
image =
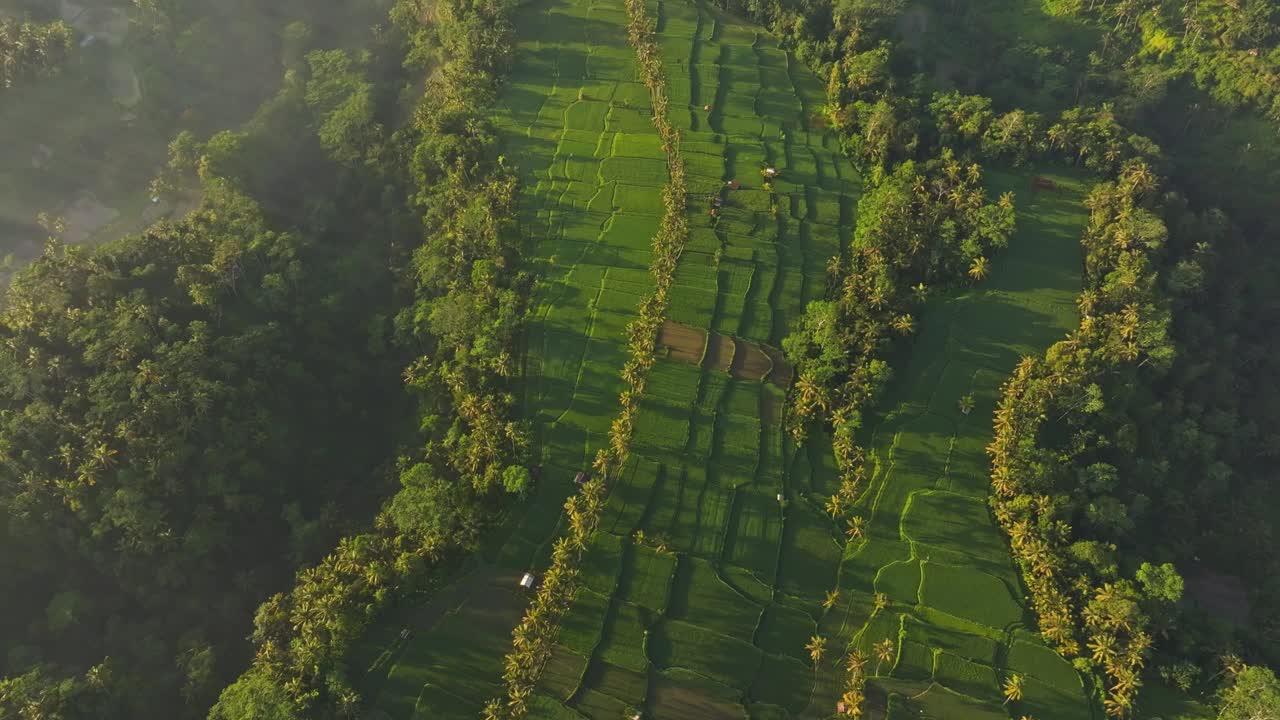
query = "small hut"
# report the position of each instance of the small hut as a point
(706, 108)
(770, 173)
(733, 184)
(527, 581)
(781, 499)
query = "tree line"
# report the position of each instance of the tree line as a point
(461, 323)
(534, 636)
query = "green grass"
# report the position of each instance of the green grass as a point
(716, 625)
(926, 502)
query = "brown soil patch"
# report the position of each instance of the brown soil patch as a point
(684, 342)
(720, 353)
(749, 362)
(672, 698)
(742, 359)
(782, 374)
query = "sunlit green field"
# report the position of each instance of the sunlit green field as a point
(701, 588)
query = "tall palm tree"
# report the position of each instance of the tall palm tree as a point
(884, 652)
(857, 527)
(817, 647)
(979, 268)
(880, 603)
(903, 324)
(835, 505)
(1012, 689)
(855, 662)
(833, 597)
(1102, 647)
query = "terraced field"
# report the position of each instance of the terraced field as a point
(956, 615)
(708, 574)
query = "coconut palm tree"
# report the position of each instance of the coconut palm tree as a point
(880, 603)
(835, 505)
(884, 652)
(857, 527)
(979, 268)
(833, 597)
(817, 647)
(1012, 689)
(1102, 647)
(855, 662)
(903, 324)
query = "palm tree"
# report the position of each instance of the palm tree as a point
(835, 504)
(857, 527)
(979, 268)
(493, 710)
(903, 324)
(103, 456)
(833, 597)
(1012, 689)
(880, 603)
(817, 647)
(966, 404)
(856, 662)
(1102, 647)
(884, 652)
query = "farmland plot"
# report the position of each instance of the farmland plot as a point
(710, 568)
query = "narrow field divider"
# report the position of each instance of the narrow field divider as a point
(533, 638)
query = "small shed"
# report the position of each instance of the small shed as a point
(781, 498)
(840, 708)
(88, 40)
(527, 581)
(771, 173)
(733, 184)
(706, 108)
(581, 478)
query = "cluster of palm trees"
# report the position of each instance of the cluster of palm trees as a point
(533, 638)
(29, 49)
(1122, 324)
(921, 225)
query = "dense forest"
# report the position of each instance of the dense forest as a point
(232, 440)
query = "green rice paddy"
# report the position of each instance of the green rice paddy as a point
(701, 588)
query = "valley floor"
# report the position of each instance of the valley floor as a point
(702, 588)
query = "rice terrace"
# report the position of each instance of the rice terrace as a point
(639, 359)
(714, 558)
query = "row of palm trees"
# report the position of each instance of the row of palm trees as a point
(532, 639)
(1120, 326)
